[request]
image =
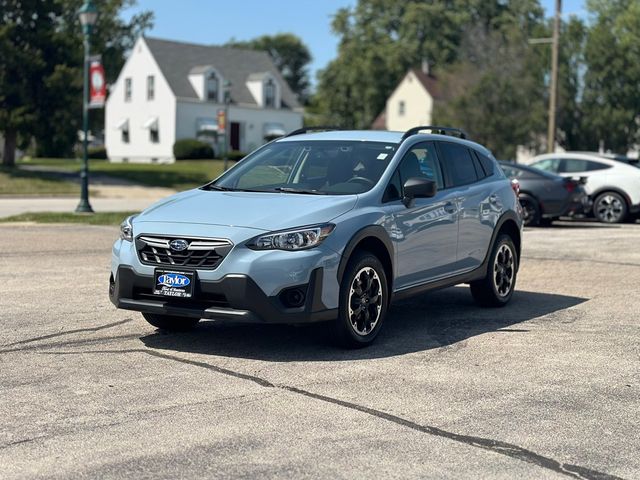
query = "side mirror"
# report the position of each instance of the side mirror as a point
(418, 187)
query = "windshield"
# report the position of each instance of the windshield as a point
(311, 167)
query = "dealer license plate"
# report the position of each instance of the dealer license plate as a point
(172, 283)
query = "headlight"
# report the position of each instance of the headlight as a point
(126, 228)
(298, 239)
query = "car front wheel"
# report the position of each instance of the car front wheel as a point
(363, 301)
(610, 207)
(496, 288)
(170, 323)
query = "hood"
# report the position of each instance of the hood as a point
(256, 210)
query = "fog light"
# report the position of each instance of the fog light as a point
(293, 297)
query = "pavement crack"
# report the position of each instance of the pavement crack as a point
(495, 446)
(72, 343)
(70, 332)
(581, 260)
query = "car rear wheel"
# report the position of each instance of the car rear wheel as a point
(530, 210)
(496, 288)
(363, 301)
(610, 207)
(170, 323)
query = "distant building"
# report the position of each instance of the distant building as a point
(170, 90)
(411, 103)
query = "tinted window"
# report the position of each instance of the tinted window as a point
(486, 162)
(515, 172)
(548, 164)
(459, 163)
(571, 165)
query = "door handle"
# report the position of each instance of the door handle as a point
(450, 207)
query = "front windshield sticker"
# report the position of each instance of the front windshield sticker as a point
(382, 156)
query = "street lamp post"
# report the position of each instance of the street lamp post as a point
(88, 15)
(227, 125)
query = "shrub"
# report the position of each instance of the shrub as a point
(190, 148)
(236, 155)
(97, 153)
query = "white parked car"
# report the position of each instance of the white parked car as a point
(613, 186)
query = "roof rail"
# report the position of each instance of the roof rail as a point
(435, 129)
(302, 130)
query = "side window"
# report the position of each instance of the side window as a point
(570, 165)
(486, 162)
(548, 165)
(393, 189)
(422, 161)
(591, 166)
(458, 163)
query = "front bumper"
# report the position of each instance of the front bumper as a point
(233, 297)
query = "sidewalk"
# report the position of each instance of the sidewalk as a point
(104, 198)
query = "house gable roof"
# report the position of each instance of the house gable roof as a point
(178, 60)
(429, 82)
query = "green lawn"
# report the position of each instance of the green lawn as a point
(181, 175)
(101, 218)
(20, 182)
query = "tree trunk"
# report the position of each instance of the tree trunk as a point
(9, 153)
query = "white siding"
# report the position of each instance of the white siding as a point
(139, 110)
(418, 105)
(252, 120)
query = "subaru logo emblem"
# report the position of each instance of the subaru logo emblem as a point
(178, 245)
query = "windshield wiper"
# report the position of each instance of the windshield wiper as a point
(298, 190)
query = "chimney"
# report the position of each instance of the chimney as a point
(425, 66)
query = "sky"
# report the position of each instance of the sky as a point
(215, 22)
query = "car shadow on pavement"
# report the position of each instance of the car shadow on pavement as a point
(436, 320)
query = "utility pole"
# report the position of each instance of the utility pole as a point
(553, 87)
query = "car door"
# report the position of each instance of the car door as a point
(426, 232)
(479, 205)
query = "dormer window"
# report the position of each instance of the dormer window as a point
(270, 94)
(213, 87)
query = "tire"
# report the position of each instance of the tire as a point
(354, 327)
(496, 289)
(610, 207)
(530, 210)
(171, 324)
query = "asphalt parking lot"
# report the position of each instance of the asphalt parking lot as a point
(548, 387)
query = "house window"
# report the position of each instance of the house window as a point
(401, 108)
(125, 135)
(154, 135)
(213, 85)
(151, 87)
(127, 89)
(270, 94)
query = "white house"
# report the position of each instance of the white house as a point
(171, 90)
(411, 103)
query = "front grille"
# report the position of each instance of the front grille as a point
(200, 253)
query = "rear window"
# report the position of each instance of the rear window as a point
(459, 163)
(574, 165)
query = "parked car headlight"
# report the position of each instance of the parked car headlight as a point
(126, 228)
(296, 239)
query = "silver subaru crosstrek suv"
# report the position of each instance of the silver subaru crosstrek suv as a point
(325, 225)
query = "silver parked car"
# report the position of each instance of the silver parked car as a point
(325, 226)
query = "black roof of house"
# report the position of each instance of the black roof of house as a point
(177, 60)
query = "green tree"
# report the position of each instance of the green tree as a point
(381, 39)
(41, 56)
(290, 55)
(611, 98)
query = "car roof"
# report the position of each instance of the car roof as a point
(579, 156)
(527, 168)
(376, 136)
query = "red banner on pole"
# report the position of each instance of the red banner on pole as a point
(222, 121)
(97, 85)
